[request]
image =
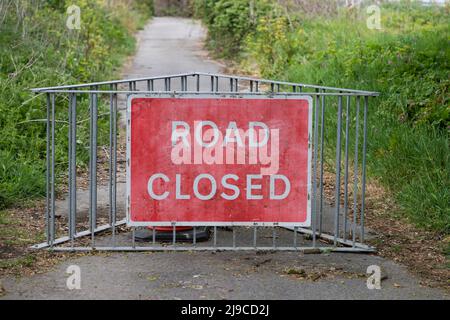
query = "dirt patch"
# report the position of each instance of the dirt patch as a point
(423, 252)
(20, 229)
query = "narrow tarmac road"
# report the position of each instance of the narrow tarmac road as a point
(174, 45)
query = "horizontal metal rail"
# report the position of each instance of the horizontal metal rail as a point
(296, 84)
(216, 93)
(300, 230)
(185, 248)
(101, 83)
(193, 74)
(78, 235)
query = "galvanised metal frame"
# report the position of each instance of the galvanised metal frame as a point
(344, 238)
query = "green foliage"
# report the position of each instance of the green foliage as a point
(38, 50)
(229, 21)
(407, 61)
(19, 178)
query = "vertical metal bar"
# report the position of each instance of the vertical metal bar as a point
(153, 235)
(272, 86)
(217, 84)
(69, 131)
(347, 125)
(194, 240)
(255, 228)
(53, 181)
(237, 85)
(257, 86)
(73, 166)
(91, 108)
(234, 237)
(149, 86)
(152, 85)
(130, 86)
(114, 165)
(278, 87)
(322, 161)
(316, 148)
(47, 176)
(185, 83)
(111, 150)
(294, 89)
(215, 236)
(338, 171)
(134, 86)
(93, 166)
(212, 83)
(295, 237)
(198, 82)
(174, 234)
(251, 86)
(363, 191)
(94, 162)
(274, 237)
(300, 89)
(133, 237)
(355, 173)
(231, 84)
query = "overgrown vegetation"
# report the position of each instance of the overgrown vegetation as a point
(174, 8)
(38, 50)
(407, 61)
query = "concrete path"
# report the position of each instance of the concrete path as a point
(171, 46)
(174, 45)
(222, 275)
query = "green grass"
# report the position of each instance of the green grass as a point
(20, 262)
(408, 61)
(13, 233)
(38, 50)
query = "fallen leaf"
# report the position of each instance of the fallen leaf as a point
(197, 287)
(152, 278)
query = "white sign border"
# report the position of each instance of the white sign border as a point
(132, 96)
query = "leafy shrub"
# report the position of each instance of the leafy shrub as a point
(229, 21)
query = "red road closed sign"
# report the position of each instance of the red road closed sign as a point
(212, 160)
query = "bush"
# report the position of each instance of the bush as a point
(230, 21)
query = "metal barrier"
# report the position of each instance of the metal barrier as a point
(338, 168)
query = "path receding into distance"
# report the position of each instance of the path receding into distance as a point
(170, 46)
